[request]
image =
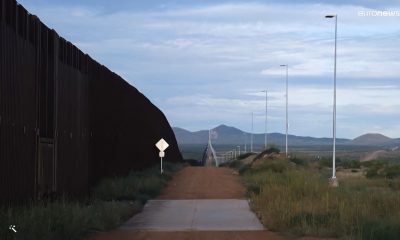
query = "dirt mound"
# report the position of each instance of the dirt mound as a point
(272, 156)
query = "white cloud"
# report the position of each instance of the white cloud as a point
(206, 64)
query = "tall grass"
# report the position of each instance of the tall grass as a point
(113, 201)
(135, 186)
(64, 219)
(294, 199)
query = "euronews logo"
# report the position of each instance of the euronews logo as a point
(378, 13)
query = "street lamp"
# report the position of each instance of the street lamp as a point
(252, 128)
(334, 182)
(266, 114)
(245, 142)
(287, 124)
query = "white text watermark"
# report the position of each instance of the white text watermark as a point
(377, 13)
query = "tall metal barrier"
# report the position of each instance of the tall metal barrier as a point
(66, 121)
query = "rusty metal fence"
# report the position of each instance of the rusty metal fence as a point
(66, 121)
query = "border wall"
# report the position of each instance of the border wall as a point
(66, 121)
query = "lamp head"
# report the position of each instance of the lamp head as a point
(330, 16)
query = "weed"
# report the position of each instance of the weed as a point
(298, 200)
(113, 201)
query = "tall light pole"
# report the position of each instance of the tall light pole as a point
(245, 142)
(252, 126)
(266, 115)
(334, 181)
(287, 121)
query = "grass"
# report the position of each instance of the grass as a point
(65, 219)
(139, 186)
(293, 198)
(113, 201)
(382, 169)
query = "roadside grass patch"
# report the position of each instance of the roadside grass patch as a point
(113, 201)
(64, 219)
(139, 186)
(293, 198)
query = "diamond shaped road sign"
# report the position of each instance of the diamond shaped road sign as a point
(162, 145)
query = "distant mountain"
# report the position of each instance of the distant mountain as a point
(188, 137)
(232, 135)
(372, 139)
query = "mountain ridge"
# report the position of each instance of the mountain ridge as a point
(231, 135)
(372, 138)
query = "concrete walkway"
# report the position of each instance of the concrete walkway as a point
(196, 215)
(199, 203)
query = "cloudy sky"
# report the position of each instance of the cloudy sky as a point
(204, 63)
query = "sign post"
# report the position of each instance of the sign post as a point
(162, 145)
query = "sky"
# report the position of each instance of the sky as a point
(205, 63)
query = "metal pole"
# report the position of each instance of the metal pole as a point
(245, 142)
(266, 113)
(251, 139)
(334, 109)
(334, 181)
(287, 96)
(287, 117)
(161, 170)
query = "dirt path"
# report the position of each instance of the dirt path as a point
(372, 156)
(204, 183)
(196, 183)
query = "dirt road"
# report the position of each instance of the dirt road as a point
(197, 183)
(372, 156)
(204, 183)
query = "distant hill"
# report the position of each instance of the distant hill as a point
(232, 135)
(372, 139)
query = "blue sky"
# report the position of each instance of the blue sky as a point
(204, 63)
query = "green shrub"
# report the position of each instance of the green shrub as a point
(350, 164)
(392, 171)
(244, 155)
(253, 189)
(244, 168)
(383, 170)
(325, 162)
(299, 161)
(372, 172)
(235, 164)
(270, 150)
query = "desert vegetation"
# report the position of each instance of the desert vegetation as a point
(112, 202)
(293, 196)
